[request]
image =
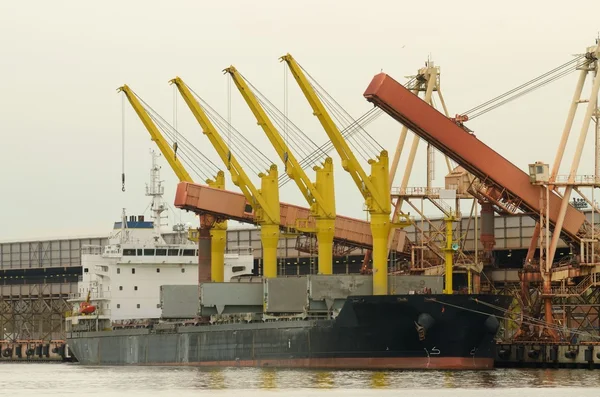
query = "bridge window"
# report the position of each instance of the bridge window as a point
(118, 270)
(138, 305)
(135, 288)
(85, 270)
(133, 271)
(129, 252)
(149, 252)
(248, 209)
(237, 268)
(118, 305)
(120, 288)
(157, 270)
(161, 252)
(188, 252)
(139, 252)
(158, 305)
(182, 270)
(173, 252)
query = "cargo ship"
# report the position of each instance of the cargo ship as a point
(140, 303)
(418, 331)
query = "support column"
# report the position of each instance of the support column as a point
(325, 216)
(380, 229)
(269, 221)
(218, 235)
(204, 255)
(325, 232)
(269, 236)
(476, 283)
(218, 244)
(487, 237)
(449, 255)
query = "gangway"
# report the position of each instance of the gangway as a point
(499, 179)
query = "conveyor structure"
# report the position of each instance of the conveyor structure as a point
(224, 204)
(502, 182)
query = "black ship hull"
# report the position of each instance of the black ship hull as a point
(382, 332)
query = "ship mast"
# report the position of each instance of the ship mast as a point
(156, 191)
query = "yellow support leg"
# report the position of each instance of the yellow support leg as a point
(325, 229)
(269, 236)
(218, 241)
(380, 229)
(218, 237)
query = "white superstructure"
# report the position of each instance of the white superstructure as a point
(123, 278)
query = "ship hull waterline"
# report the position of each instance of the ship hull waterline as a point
(452, 332)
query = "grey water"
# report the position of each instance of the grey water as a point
(20, 379)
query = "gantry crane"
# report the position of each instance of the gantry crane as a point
(264, 202)
(374, 188)
(320, 195)
(218, 231)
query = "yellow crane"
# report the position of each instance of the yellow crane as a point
(374, 188)
(320, 195)
(264, 201)
(218, 231)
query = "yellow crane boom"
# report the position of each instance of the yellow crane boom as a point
(265, 202)
(218, 231)
(320, 196)
(374, 188)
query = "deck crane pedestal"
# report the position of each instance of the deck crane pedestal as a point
(374, 188)
(216, 232)
(264, 202)
(320, 196)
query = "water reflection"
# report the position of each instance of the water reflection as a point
(16, 379)
(379, 380)
(269, 378)
(216, 379)
(283, 379)
(323, 380)
(449, 380)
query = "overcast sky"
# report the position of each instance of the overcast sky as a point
(62, 61)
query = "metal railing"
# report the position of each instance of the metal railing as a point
(91, 250)
(415, 191)
(582, 179)
(590, 281)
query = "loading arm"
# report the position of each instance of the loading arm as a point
(320, 195)
(265, 202)
(374, 188)
(218, 231)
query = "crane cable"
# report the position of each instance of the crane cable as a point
(175, 144)
(296, 139)
(506, 316)
(348, 132)
(343, 116)
(521, 86)
(228, 124)
(285, 114)
(257, 160)
(527, 87)
(326, 147)
(123, 142)
(194, 156)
